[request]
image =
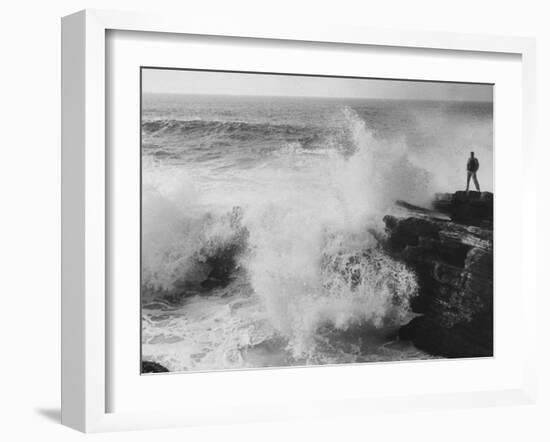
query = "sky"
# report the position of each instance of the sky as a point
(227, 83)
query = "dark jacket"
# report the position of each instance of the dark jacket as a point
(473, 165)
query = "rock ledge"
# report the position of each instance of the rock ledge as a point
(453, 261)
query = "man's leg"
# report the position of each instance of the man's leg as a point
(468, 181)
(475, 182)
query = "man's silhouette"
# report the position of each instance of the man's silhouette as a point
(472, 167)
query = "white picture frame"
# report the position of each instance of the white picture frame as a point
(86, 206)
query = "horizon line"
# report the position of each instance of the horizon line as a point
(316, 97)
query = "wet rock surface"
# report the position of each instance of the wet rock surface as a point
(453, 261)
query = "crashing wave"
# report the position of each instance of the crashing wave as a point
(300, 235)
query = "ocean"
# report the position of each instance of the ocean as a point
(260, 219)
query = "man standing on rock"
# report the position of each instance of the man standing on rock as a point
(472, 167)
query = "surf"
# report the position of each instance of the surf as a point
(294, 234)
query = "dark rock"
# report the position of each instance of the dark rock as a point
(217, 263)
(223, 261)
(460, 341)
(222, 266)
(471, 208)
(454, 265)
(408, 231)
(152, 367)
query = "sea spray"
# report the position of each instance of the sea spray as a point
(180, 234)
(307, 227)
(308, 246)
(308, 183)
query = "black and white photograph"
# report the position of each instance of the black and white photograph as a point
(274, 221)
(293, 220)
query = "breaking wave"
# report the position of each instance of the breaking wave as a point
(295, 230)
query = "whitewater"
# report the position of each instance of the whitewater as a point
(261, 220)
